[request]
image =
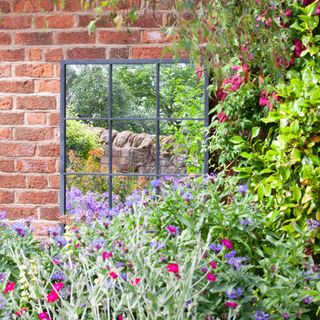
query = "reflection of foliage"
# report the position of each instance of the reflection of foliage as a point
(123, 186)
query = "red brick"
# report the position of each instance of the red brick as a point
(55, 22)
(5, 38)
(33, 38)
(11, 118)
(18, 22)
(48, 150)
(37, 182)
(148, 20)
(36, 103)
(32, 5)
(14, 149)
(37, 197)
(34, 134)
(19, 212)
(54, 119)
(53, 55)
(148, 52)
(34, 54)
(6, 134)
(6, 103)
(86, 53)
(76, 37)
(50, 213)
(54, 182)
(119, 53)
(6, 196)
(36, 118)
(155, 36)
(17, 86)
(119, 37)
(12, 55)
(70, 5)
(6, 165)
(5, 72)
(4, 6)
(104, 21)
(36, 166)
(12, 181)
(52, 86)
(35, 70)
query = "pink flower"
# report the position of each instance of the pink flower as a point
(221, 95)
(236, 68)
(245, 67)
(199, 72)
(135, 281)
(213, 264)
(227, 243)
(288, 13)
(222, 117)
(9, 287)
(20, 312)
(58, 286)
(298, 48)
(113, 275)
(173, 267)
(235, 81)
(106, 255)
(211, 277)
(120, 317)
(52, 296)
(231, 304)
(43, 316)
(317, 12)
(275, 96)
(264, 101)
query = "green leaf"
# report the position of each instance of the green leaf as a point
(236, 139)
(255, 132)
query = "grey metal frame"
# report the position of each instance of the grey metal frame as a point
(110, 119)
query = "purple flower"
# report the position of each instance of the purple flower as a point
(204, 269)
(54, 231)
(173, 230)
(58, 276)
(307, 300)
(123, 276)
(231, 254)
(313, 224)
(246, 221)
(2, 215)
(60, 241)
(215, 247)
(236, 262)
(155, 183)
(242, 188)
(187, 196)
(3, 302)
(234, 294)
(98, 243)
(3, 276)
(261, 315)
(20, 228)
(189, 302)
(120, 264)
(157, 245)
(285, 316)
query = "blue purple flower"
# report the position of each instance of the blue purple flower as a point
(58, 276)
(243, 188)
(215, 247)
(307, 300)
(313, 224)
(231, 254)
(2, 215)
(60, 241)
(3, 302)
(155, 183)
(285, 316)
(123, 276)
(261, 315)
(246, 221)
(98, 243)
(20, 228)
(236, 262)
(3, 276)
(234, 294)
(157, 245)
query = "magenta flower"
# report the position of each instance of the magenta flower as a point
(264, 100)
(173, 267)
(43, 316)
(135, 281)
(298, 48)
(58, 286)
(113, 275)
(231, 304)
(235, 81)
(288, 13)
(222, 117)
(106, 255)
(173, 230)
(213, 264)
(221, 95)
(227, 243)
(9, 287)
(20, 312)
(211, 277)
(52, 297)
(199, 72)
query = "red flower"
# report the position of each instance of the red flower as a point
(43, 316)
(106, 255)
(288, 13)
(231, 304)
(20, 312)
(58, 286)
(9, 287)
(120, 317)
(211, 277)
(213, 264)
(227, 243)
(135, 281)
(298, 48)
(113, 275)
(52, 296)
(222, 117)
(221, 95)
(173, 267)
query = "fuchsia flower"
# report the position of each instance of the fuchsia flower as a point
(213, 264)
(120, 317)
(221, 95)
(231, 304)
(199, 72)
(235, 81)
(135, 281)
(288, 13)
(173, 267)
(43, 316)
(20, 312)
(52, 296)
(106, 255)
(227, 243)
(222, 117)
(298, 48)
(211, 277)
(113, 275)
(58, 286)
(9, 287)
(264, 100)
(173, 230)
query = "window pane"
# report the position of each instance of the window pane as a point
(134, 91)
(181, 93)
(87, 91)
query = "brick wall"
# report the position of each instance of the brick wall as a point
(31, 46)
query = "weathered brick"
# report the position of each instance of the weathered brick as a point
(50, 213)
(119, 37)
(4, 6)
(53, 55)
(103, 22)
(54, 181)
(34, 54)
(36, 103)
(70, 5)
(86, 53)
(119, 53)
(35, 70)
(6, 196)
(48, 150)
(52, 86)
(5, 38)
(6, 134)
(54, 119)
(15, 22)
(5, 71)
(6, 103)
(14, 149)
(148, 52)
(55, 22)
(25, 86)
(34, 134)
(36, 165)
(12, 181)
(32, 5)
(12, 55)
(11, 118)
(37, 182)
(155, 36)
(6, 165)
(33, 38)
(148, 20)
(76, 37)
(36, 118)
(37, 197)
(18, 212)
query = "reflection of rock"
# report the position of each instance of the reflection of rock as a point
(136, 152)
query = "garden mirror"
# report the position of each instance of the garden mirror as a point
(126, 123)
